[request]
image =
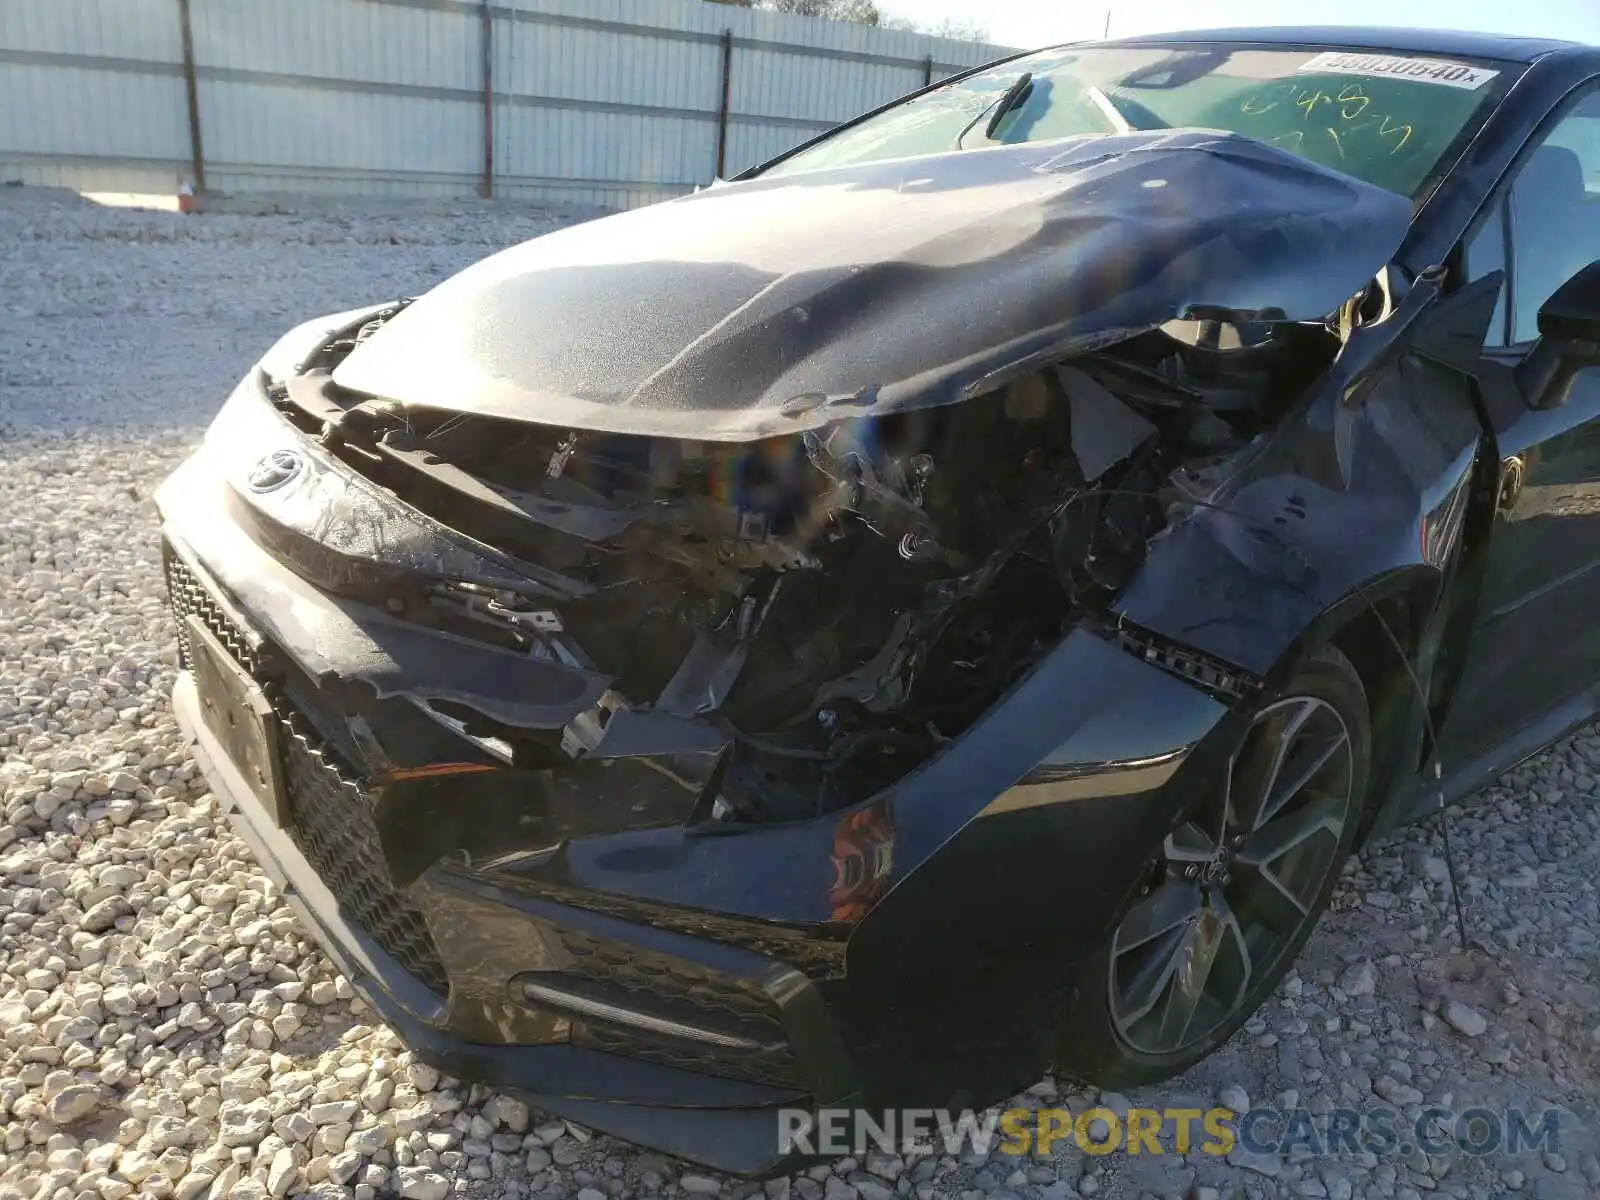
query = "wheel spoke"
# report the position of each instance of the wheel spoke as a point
(1266, 893)
(1147, 975)
(1290, 784)
(1166, 907)
(1195, 959)
(1252, 786)
(1304, 707)
(1265, 899)
(1234, 934)
(1292, 831)
(1188, 843)
(1217, 811)
(1147, 945)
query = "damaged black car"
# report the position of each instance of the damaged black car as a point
(937, 608)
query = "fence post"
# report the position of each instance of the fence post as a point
(927, 71)
(197, 154)
(722, 112)
(486, 39)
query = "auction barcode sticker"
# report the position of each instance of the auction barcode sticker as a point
(1423, 70)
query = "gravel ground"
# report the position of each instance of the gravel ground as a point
(167, 1029)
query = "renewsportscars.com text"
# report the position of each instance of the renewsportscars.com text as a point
(1383, 1131)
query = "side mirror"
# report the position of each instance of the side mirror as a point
(1572, 314)
(1569, 334)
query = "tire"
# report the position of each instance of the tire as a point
(1222, 892)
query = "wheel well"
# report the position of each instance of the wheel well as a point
(1381, 642)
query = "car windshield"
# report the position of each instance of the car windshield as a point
(1389, 119)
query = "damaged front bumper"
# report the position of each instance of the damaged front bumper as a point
(681, 1108)
(687, 1045)
(584, 937)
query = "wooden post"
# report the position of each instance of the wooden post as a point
(486, 40)
(927, 71)
(727, 91)
(197, 153)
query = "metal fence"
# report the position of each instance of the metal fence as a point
(613, 102)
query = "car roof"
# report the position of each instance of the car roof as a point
(1411, 41)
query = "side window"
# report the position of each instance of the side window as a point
(1554, 214)
(1486, 253)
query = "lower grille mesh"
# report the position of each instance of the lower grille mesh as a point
(189, 597)
(682, 990)
(774, 1068)
(331, 821)
(330, 812)
(647, 974)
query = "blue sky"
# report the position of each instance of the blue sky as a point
(1039, 22)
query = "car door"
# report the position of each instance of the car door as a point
(1535, 642)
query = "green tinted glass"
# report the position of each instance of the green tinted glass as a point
(1388, 120)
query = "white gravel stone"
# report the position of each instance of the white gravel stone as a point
(1359, 980)
(244, 1124)
(342, 1167)
(281, 1173)
(72, 1102)
(323, 992)
(504, 1110)
(377, 1094)
(1465, 1019)
(332, 1112)
(419, 1183)
(423, 1077)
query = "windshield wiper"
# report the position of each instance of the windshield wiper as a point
(1013, 96)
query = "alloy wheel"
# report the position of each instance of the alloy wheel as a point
(1236, 880)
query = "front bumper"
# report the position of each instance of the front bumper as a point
(727, 1124)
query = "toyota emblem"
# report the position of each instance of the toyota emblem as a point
(275, 470)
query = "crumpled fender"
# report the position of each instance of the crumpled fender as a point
(1363, 485)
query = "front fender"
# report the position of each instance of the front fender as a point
(1365, 488)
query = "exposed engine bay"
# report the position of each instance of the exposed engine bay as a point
(841, 601)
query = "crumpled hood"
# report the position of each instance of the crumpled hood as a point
(770, 306)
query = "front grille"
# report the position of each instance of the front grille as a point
(330, 816)
(189, 597)
(330, 812)
(674, 988)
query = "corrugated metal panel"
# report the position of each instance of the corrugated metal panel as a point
(340, 39)
(608, 102)
(263, 124)
(136, 29)
(399, 114)
(111, 114)
(94, 175)
(64, 121)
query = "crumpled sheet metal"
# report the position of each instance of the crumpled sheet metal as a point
(334, 638)
(772, 306)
